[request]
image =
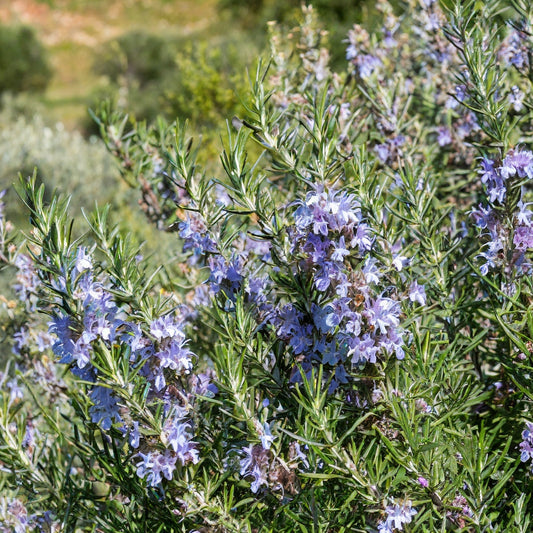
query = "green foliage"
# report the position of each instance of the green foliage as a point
(258, 12)
(65, 160)
(23, 60)
(209, 82)
(138, 57)
(196, 80)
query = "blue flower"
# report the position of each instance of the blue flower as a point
(155, 465)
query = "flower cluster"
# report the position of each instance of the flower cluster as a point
(27, 284)
(193, 230)
(256, 463)
(260, 463)
(358, 52)
(26, 337)
(526, 446)
(156, 465)
(506, 220)
(351, 321)
(169, 349)
(161, 354)
(13, 516)
(462, 511)
(516, 48)
(238, 275)
(397, 515)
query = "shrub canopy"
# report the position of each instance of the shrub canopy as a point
(23, 60)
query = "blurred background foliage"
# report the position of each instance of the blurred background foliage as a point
(338, 16)
(23, 60)
(199, 81)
